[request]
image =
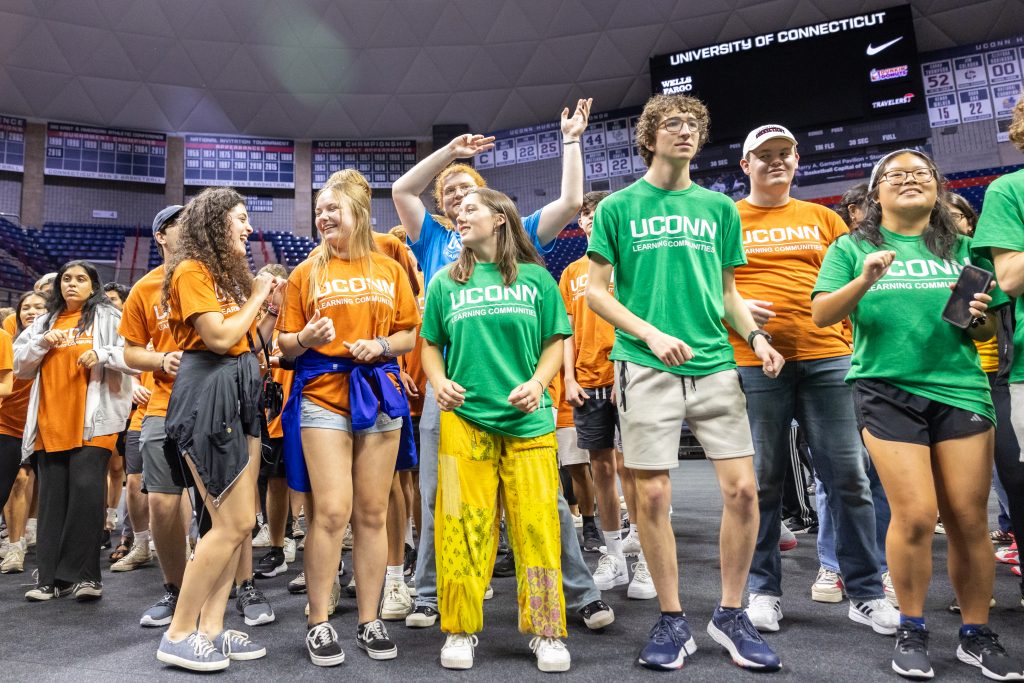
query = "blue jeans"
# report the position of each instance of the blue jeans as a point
(816, 395)
(827, 527)
(577, 582)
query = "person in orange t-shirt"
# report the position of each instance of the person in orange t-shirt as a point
(17, 480)
(215, 411)
(76, 357)
(785, 241)
(346, 286)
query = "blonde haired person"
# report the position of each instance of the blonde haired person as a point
(349, 310)
(493, 328)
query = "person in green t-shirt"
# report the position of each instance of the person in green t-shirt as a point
(493, 327)
(672, 246)
(922, 401)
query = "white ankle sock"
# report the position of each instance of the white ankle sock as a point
(613, 544)
(394, 573)
(632, 529)
(142, 536)
(408, 534)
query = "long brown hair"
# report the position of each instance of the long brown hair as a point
(514, 246)
(203, 236)
(350, 189)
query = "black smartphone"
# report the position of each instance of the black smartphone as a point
(972, 280)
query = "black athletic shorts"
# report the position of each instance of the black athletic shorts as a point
(596, 420)
(272, 460)
(892, 414)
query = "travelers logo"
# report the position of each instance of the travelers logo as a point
(892, 102)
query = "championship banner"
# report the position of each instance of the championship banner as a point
(105, 153)
(12, 144)
(382, 162)
(239, 161)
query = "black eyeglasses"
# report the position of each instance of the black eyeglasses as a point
(899, 176)
(674, 125)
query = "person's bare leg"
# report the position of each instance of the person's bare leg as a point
(654, 494)
(602, 463)
(138, 506)
(738, 533)
(115, 479)
(396, 523)
(373, 462)
(628, 482)
(168, 534)
(16, 510)
(583, 487)
(277, 509)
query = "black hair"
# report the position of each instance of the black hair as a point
(56, 305)
(17, 309)
(856, 195)
(122, 291)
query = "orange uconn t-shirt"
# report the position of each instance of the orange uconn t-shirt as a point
(14, 407)
(785, 246)
(10, 324)
(63, 384)
(144, 320)
(411, 362)
(140, 412)
(283, 377)
(193, 291)
(592, 335)
(365, 299)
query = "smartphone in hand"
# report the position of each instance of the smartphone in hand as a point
(972, 280)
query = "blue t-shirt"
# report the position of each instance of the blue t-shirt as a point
(438, 246)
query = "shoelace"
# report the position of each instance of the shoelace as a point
(747, 628)
(911, 639)
(640, 571)
(987, 641)
(375, 631)
(321, 634)
(232, 637)
(538, 642)
(668, 631)
(252, 594)
(461, 640)
(828, 575)
(607, 563)
(201, 645)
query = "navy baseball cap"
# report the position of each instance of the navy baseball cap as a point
(166, 215)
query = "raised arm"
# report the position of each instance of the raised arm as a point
(559, 213)
(407, 190)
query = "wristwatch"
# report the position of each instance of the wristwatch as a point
(758, 333)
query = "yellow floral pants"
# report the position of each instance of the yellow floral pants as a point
(474, 467)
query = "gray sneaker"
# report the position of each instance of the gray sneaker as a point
(253, 605)
(194, 652)
(160, 614)
(236, 645)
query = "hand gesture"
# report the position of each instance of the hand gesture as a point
(262, 286)
(317, 332)
(277, 294)
(55, 337)
(411, 390)
(449, 395)
(140, 394)
(574, 393)
(669, 350)
(526, 396)
(365, 349)
(771, 360)
(760, 310)
(88, 359)
(876, 265)
(573, 127)
(469, 145)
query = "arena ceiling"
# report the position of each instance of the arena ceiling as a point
(384, 68)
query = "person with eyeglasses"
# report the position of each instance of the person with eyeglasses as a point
(922, 403)
(1001, 227)
(673, 362)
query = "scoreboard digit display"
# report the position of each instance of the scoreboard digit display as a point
(12, 144)
(105, 153)
(851, 69)
(381, 161)
(239, 161)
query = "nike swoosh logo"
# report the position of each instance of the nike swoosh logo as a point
(872, 50)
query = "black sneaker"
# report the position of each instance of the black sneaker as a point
(592, 538)
(505, 566)
(597, 614)
(45, 592)
(422, 616)
(410, 560)
(253, 605)
(322, 645)
(271, 564)
(911, 656)
(981, 648)
(87, 591)
(373, 637)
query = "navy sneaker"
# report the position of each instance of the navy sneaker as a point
(732, 630)
(910, 659)
(981, 648)
(668, 644)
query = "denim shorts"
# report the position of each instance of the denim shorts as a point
(313, 416)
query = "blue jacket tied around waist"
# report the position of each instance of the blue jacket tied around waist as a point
(370, 392)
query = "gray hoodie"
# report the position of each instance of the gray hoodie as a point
(108, 400)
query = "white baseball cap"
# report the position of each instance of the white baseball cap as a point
(768, 131)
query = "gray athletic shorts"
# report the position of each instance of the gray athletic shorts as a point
(157, 476)
(132, 453)
(569, 453)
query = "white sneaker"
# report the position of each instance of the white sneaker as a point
(489, 593)
(764, 612)
(622, 504)
(30, 532)
(457, 652)
(397, 603)
(577, 521)
(642, 585)
(262, 539)
(5, 548)
(111, 521)
(297, 530)
(348, 540)
(610, 573)
(787, 539)
(828, 587)
(890, 592)
(551, 654)
(878, 614)
(631, 545)
(289, 550)
(14, 563)
(138, 556)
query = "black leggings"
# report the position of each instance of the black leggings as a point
(72, 506)
(1007, 456)
(10, 463)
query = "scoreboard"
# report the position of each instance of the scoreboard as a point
(381, 161)
(239, 161)
(852, 69)
(12, 144)
(105, 153)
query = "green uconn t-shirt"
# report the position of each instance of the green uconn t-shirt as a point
(668, 249)
(492, 337)
(899, 335)
(1002, 226)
